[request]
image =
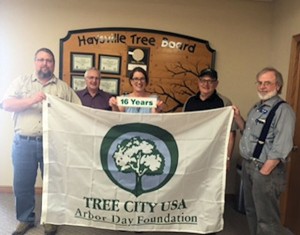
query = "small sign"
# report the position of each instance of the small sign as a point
(141, 102)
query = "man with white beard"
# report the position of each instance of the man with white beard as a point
(264, 157)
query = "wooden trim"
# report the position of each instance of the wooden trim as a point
(292, 98)
(293, 82)
(9, 189)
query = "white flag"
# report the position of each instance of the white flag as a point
(135, 172)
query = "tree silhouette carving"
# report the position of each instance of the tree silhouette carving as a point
(178, 93)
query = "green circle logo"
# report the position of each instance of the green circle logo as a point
(139, 157)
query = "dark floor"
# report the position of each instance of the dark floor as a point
(235, 222)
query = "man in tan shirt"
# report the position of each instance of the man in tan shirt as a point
(24, 98)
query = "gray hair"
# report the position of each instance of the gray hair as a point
(278, 76)
(92, 69)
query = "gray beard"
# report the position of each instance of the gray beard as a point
(267, 96)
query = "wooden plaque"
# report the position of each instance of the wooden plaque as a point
(172, 61)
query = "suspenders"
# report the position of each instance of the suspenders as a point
(263, 135)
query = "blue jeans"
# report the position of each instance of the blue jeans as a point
(27, 156)
(262, 198)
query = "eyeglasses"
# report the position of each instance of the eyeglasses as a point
(267, 83)
(209, 82)
(42, 60)
(92, 77)
(138, 79)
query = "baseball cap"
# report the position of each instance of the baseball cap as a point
(209, 72)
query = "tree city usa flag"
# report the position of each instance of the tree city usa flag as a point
(134, 172)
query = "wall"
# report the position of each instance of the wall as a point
(286, 24)
(239, 30)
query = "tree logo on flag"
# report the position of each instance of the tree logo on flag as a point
(139, 157)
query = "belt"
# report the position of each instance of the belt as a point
(33, 138)
(255, 161)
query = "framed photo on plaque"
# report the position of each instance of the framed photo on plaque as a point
(110, 64)
(110, 85)
(138, 57)
(77, 82)
(80, 62)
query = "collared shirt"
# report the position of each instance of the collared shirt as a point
(216, 100)
(99, 101)
(279, 141)
(29, 121)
